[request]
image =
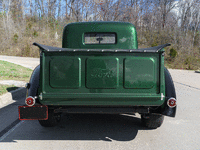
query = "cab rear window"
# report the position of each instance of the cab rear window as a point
(100, 38)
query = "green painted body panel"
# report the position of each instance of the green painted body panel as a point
(101, 79)
(93, 79)
(102, 73)
(59, 78)
(140, 72)
(73, 35)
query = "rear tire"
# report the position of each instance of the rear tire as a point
(152, 121)
(52, 120)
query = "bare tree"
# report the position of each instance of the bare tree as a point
(51, 10)
(195, 23)
(157, 21)
(162, 9)
(185, 9)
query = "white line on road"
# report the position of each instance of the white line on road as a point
(10, 131)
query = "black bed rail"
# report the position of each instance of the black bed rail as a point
(155, 49)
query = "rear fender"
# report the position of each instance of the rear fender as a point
(34, 82)
(169, 92)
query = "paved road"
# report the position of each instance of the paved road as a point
(100, 132)
(23, 61)
(186, 77)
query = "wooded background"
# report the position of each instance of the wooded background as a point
(157, 22)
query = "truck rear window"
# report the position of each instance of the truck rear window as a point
(100, 38)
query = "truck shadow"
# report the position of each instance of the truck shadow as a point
(106, 127)
(103, 127)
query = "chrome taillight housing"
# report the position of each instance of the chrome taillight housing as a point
(171, 102)
(30, 101)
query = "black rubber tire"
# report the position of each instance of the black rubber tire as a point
(52, 120)
(154, 121)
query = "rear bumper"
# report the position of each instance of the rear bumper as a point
(40, 112)
(37, 112)
(101, 110)
(101, 99)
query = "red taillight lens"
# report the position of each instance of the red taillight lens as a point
(30, 101)
(171, 102)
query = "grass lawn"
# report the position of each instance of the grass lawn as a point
(10, 71)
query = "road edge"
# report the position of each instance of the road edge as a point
(197, 71)
(8, 98)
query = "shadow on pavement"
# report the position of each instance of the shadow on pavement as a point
(9, 113)
(9, 89)
(18, 96)
(81, 127)
(104, 127)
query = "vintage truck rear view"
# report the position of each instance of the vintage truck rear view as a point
(100, 69)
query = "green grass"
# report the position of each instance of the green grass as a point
(10, 71)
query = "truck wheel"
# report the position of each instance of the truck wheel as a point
(152, 121)
(51, 121)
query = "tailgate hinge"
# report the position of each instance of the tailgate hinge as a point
(162, 96)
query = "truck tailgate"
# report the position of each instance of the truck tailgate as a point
(90, 78)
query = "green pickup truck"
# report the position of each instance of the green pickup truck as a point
(100, 69)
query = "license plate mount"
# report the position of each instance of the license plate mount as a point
(37, 112)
